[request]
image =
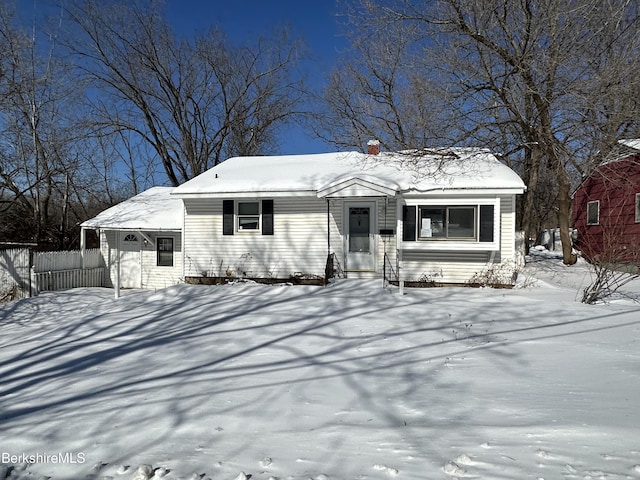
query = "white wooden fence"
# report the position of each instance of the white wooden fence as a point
(64, 279)
(67, 260)
(68, 269)
(14, 273)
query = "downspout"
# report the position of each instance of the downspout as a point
(328, 229)
(384, 243)
(183, 243)
(328, 262)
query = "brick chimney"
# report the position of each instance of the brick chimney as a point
(373, 147)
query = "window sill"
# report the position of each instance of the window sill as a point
(447, 245)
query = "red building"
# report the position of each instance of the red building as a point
(606, 208)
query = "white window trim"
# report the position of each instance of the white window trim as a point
(637, 207)
(459, 245)
(594, 202)
(237, 216)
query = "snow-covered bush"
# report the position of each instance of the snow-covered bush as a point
(495, 275)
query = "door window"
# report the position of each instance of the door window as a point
(359, 228)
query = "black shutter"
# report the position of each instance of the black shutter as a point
(486, 223)
(227, 217)
(408, 223)
(267, 217)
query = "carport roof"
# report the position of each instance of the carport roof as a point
(154, 210)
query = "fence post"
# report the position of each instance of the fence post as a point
(35, 288)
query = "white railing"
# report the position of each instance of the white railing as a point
(65, 279)
(49, 271)
(68, 269)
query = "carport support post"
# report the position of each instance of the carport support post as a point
(400, 278)
(117, 285)
(83, 247)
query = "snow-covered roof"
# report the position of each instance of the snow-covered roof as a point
(406, 172)
(154, 209)
(623, 149)
(633, 143)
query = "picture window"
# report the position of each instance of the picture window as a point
(447, 223)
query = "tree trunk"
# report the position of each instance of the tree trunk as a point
(531, 177)
(564, 217)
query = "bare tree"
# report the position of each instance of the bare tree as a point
(548, 83)
(35, 133)
(45, 180)
(378, 91)
(194, 102)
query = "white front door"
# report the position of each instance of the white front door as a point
(130, 271)
(360, 235)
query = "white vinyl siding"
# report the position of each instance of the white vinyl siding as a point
(507, 230)
(152, 276)
(387, 221)
(298, 244)
(108, 245)
(442, 267)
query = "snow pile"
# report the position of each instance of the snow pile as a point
(343, 382)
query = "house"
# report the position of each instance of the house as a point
(606, 207)
(439, 216)
(141, 240)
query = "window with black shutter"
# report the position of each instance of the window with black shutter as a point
(408, 223)
(227, 217)
(247, 216)
(486, 223)
(267, 217)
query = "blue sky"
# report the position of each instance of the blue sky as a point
(316, 21)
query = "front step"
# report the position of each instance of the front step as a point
(362, 274)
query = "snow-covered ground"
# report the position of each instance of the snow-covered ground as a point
(351, 381)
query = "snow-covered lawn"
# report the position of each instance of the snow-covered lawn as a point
(345, 382)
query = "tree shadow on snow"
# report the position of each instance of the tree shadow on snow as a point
(202, 364)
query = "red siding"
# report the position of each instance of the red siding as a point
(617, 236)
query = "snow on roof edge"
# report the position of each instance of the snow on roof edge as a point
(154, 210)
